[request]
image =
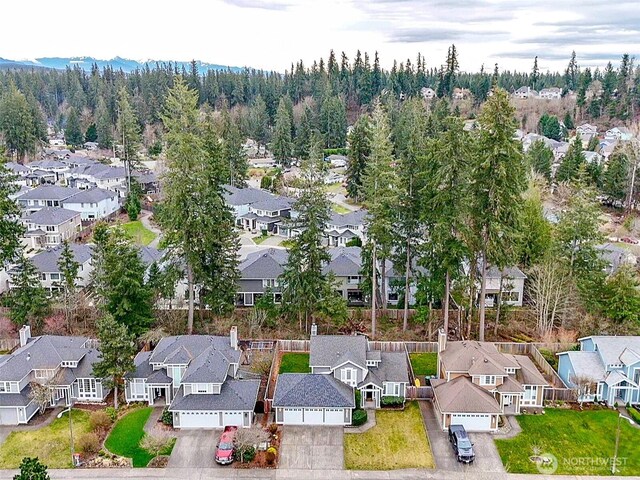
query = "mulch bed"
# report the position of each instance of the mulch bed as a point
(260, 460)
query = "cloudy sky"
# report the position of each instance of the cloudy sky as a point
(271, 34)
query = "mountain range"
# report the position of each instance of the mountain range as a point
(117, 63)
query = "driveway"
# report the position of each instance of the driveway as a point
(487, 457)
(195, 449)
(312, 448)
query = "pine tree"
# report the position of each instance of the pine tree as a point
(259, 121)
(568, 121)
(132, 204)
(359, 151)
(540, 158)
(616, 178)
(18, 126)
(550, 127)
(32, 469)
(304, 132)
(282, 145)
(104, 126)
(333, 122)
(535, 74)
(574, 158)
(117, 350)
(73, 130)
(232, 142)
(69, 268)
(11, 230)
(27, 300)
(128, 133)
(572, 73)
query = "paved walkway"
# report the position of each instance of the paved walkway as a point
(151, 426)
(369, 424)
(145, 219)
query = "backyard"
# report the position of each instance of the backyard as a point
(424, 364)
(138, 232)
(583, 443)
(294, 363)
(49, 443)
(398, 440)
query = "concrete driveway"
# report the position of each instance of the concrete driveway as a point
(195, 449)
(312, 448)
(487, 457)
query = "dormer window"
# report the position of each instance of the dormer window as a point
(488, 380)
(510, 370)
(69, 364)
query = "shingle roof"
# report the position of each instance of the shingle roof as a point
(352, 218)
(477, 358)
(16, 168)
(47, 261)
(586, 365)
(333, 350)
(345, 261)
(148, 255)
(273, 204)
(611, 347)
(392, 368)
(238, 395)
(195, 345)
(508, 272)
(211, 366)
(245, 196)
(264, 264)
(91, 195)
(312, 390)
(528, 374)
(143, 369)
(47, 165)
(51, 216)
(49, 192)
(460, 395)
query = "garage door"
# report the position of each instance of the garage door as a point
(292, 416)
(334, 416)
(8, 416)
(472, 422)
(232, 418)
(313, 416)
(199, 420)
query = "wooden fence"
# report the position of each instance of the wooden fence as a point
(294, 345)
(419, 393)
(560, 394)
(8, 344)
(531, 350)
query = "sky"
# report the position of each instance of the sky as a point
(271, 34)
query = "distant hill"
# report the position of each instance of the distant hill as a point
(124, 64)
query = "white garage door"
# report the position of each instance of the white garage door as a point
(232, 418)
(334, 416)
(313, 416)
(199, 420)
(292, 416)
(472, 422)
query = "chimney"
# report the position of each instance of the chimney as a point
(233, 337)
(314, 329)
(25, 335)
(442, 340)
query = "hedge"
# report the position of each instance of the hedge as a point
(359, 417)
(392, 401)
(635, 414)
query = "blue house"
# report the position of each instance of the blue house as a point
(605, 369)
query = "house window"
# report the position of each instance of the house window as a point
(69, 364)
(392, 296)
(138, 387)
(269, 282)
(248, 299)
(200, 388)
(488, 380)
(277, 298)
(510, 370)
(43, 276)
(530, 393)
(3, 387)
(353, 279)
(50, 228)
(55, 276)
(87, 387)
(349, 376)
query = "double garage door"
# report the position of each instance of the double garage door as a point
(210, 419)
(472, 422)
(313, 416)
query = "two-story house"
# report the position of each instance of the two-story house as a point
(525, 92)
(51, 278)
(197, 376)
(93, 203)
(509, 281)
(259, 273)
(344, 227)
(49, 227)
(477, 383)
(54, 167)
(98, 175)
(45, 196)
(339, 365)
(266, 214)
(239, 199)
(551, 93)
(346, 265)
(63, 364)
(619, 133)
(605, 369)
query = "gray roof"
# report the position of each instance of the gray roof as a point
(614, 255)
(611, 348)
(195, 345)
(586, 364)
(143, 369)
(211, 366)
(99, 170)
(508, 272)
(476, 358)
(345, 261)
(51, 216)
(460, 395)
(91, 195)
(267, 263)
(238, 395)
(47, 261)
(16, 168)
(334, 350)
(245, 196)
(49, 192)
(273, 204)
(16, 399)
(392, 368)
(351, 218)
(528, 373)
(148, 255)
(312, 390)
(78, 160)
(47, 165)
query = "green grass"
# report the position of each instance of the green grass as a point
(50, 444)
(124, 439)
(336, 188)
(583, 442)
(339, 209)
(398, 440)
(260, 239)
(139, 232)
(424, 364)
(294, 363)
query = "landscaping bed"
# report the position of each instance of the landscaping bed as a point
(424, 364)
(265, 458)
(398, 440)
(582, 441)
(294, 363)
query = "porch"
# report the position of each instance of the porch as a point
(370, 396)
(159, 394)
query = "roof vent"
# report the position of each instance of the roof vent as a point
(28, 356)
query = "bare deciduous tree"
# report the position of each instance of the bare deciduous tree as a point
(156, 443)
(551, 294)
(247, 438)
(584, 386)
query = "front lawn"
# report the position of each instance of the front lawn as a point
(124, 439)
(50, 444)
(424, 364)
(339, 209)
(399, 440)
(583, 443)
(294, 363)
(139, 232)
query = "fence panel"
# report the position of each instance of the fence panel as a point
(293, 345)
(560, 395)
(8, 344)
(419, 393)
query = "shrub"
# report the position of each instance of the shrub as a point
(550, 357)
(392, 401)
(89, 443)
(112, 413)
(99, 420)
(273, 428)
(635, 414)
(245, 454)
(155, 444)
(167, 417)
(358, 398)
(271, 455)
(359, 417)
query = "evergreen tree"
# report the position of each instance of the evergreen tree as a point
(128, 133)
(259, 121)
(359, 151)
(27, 300)
(91, 135)
(132, 204)
(73, 130)
(621, 298)
(572, 73)
(535, 74)
(540, 158)
(616, 178)
(497, 183)
(568, 121)
(304, 133)
(233, 150)
(69, 268)
(550, 127)
(117, 349)
(11, 230)
(572, 162)
(333, 122)
(104, 126)
(282, 145)
(18, 125)
(535, 239)
(32, 469)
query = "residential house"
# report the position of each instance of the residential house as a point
(592, 157)
(147, 180)
(346, 265)
(607, 147)
(615, 256)
(63, 364)
(19, 171)
(428, 93)
(98, 175)
(525, 92)
(509, 281)
(461, 93)
(265, 215)
(90, 146)
(239, 199)
(93, 203)
(45, 196)
(75, 161)
(619, 133)
(477, 383)
(198, 377)
(46, 263)
(343, 228)
(179, 297)
(49, 227)
(259, 274)
(605, 369)
(552, 93)
(587, 132)
(339, 364)
(56, 168)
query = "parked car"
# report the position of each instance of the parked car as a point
(225, 448)
(461, 444)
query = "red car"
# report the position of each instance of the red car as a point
(225, 449)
